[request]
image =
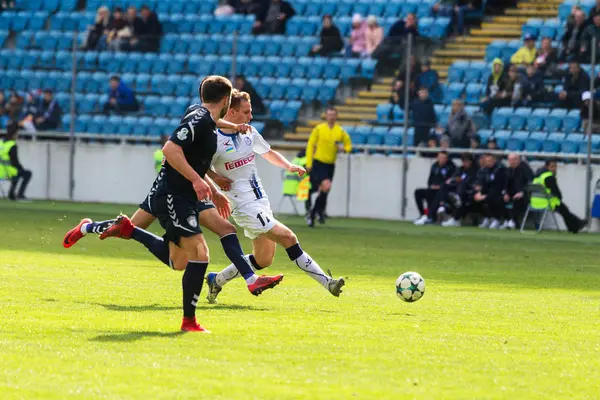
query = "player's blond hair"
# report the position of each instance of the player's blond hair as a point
(237, 97)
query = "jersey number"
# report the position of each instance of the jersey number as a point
(262, 221)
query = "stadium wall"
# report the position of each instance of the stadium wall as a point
(364, 186)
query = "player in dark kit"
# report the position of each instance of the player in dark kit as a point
(188, 155)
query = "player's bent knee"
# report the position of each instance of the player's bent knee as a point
(326, 185)
(264, 260)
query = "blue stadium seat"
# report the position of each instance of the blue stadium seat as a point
(572, 121)
(349, 69)
(517, 141)
(494, 50)
(178, 106)
(142, 82)
(501, 137)
(81, 123)
(290, 112)
(384, 112)
(500, 117)
(375, 139)
(518, 119)
(160, 63)
(142, 126)
(363, 129)
(535, 141)
(273, 47)
(550, 29)
(278, 90)
(276, 109)
(311, 90)
(439, 28)
(24, 40)
(532, 27)
(96, 124)
(457, 70)
(453, 91)
(30, 59)
(367, 68)
(86, 104)
(474, 92)
(304, 46)
(268, 67)
(553, 121)
(392, 139)
(398, 114)
(328, 91)
(535, 122)
(553, 142)
(294, 90)
(484, 135)
(316, 66)
(126, 126)
(299, 68)
(572, 143)
(474, 72)
(511, 47)
(63, 60)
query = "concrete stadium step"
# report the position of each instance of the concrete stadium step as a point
(497, 33)
(510, 19)
(460, 53)
(457, 46)
(502, 25)
(441, 62)
(380, 87)
(358, 109)
(481, 40)
(296, 137)
(537, 5)
(357, 101)
(356, 116)
(532, 13)
(374, 95)
(304, 129)
(314, 122)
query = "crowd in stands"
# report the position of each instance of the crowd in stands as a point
(33, 111)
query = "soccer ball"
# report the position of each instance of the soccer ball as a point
(410, 286)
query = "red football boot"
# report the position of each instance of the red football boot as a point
(75, 234)
(263, 283)
(190, 325)
(122, 228)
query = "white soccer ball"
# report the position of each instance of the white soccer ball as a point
(410, 286)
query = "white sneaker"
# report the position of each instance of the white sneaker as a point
(511, 224)
(451, 223)
(485, 223)
(495, 224)
(504, 225)
(423, 219)
(441, 214)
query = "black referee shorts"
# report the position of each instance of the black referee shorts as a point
(320, 172)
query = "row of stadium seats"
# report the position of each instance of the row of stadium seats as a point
(46, 5)
(552, 28)
(564, 10)
(22, 20)
(554, 120)
(505, 49)
(540, 141)
(387, 113)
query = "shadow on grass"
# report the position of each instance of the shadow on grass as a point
(134, 336)
(217, 307)
(150, 307)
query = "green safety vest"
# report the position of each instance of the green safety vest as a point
(7, 170)
(158, 160)
(292, 179)
(540, 203)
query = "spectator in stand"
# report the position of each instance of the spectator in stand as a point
(7, 5)
(403, 28)
(461, 8)
(358, 37)
(571, 17)
(241, 84)
(458, 191)
(14, 170)
(574, 84)
(460, 127)
(440, 171)
(525, 55)
(586, 97)
(589, 33)
(475, 142)
(118, 31)
(45, 116)
(272, 17)
(331, 39)
(491, 192)
(532, 86)
(244, 7)
(393, 44)
(399, 85)
(98, 30)
(3, 112)
(147, 36)
(547, 58)
(495, 87)
(504, 93)
(373, 34)
(121, 98)
(432, 143)
(423, 116)
(519, 175)
(593, 12)
(571, 40)
(14, 107)
(492, 144)
(429, 79)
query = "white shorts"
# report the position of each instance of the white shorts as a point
(255, 217)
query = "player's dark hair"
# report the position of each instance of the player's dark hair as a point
(215, 88)
(237, 97)
(118, 9)
(144, 7)
(444, 152)
(550, 161)
(466, 157)
(115, 78)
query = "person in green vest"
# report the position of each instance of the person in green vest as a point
(158, 154)
(10, 166)
(292, 179)
(547, 178)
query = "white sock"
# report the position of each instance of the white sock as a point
(310, 266)
(84, 229)
(231, 272)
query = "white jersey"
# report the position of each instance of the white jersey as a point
(235, 160)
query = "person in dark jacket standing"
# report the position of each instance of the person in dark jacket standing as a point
(272, 17)
(331, 39)
(460, 127)
(492, 185)
(423, 116)
(148, 32)
(440, 171)
(519, 175)
(571, 41)
(120, 97)
(11, 166)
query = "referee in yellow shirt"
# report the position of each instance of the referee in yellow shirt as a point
(321, 152)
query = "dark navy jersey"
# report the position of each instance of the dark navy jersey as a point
(197, 136)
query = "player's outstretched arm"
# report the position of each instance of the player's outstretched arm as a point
(277, 159)
(173, 153)
(244, 128)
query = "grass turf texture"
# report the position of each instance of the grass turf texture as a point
(503, 316)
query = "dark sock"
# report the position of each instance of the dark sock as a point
(318, 205)
(192, 281)
(323, 203)
(155, 244)
(233, 251)
(99, 227)
(254, 263)
(294, 252)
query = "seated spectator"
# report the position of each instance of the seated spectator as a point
(429, 79)
(331, 40)
(458, 192)
(14, 171)
(14, 107)
(393, 44)
(490, 192)
(591, 32)
(402, 28)
(586, 97)
(99, 29)
(44, 114)
(241, 84)
(492, 144)
(148, 33)
(574, 84)
(519, 175)
(571, 41)
(547, 58)
(358, 37)
(244, 7)
(593, 12)
(532, 86)
(460, 127)
(525, 55)
(547, 178)
(374, 34)
(272, 17)
(423, 116)
(494, 87)
(509, 95)
(121, 98)
(133, 22)
(440, 171)
(118, 31)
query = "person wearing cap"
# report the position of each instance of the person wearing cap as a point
(526, 54)
(574, 83)
(586, 97)
(331, 40)
(373, 35)
(45, 117)
(592, 31)
(358, 37)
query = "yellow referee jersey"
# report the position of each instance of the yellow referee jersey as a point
(323, 144)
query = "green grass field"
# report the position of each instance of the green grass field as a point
(504, 316)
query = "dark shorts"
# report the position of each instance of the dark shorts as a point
(148, 203)
(178, 215)
(320, 172)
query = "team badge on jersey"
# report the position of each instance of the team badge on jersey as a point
(248, 141)
(182, 134)
(192, 221)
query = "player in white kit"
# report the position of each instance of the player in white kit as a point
(235, 160)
